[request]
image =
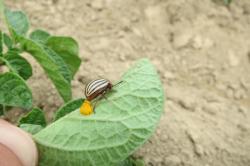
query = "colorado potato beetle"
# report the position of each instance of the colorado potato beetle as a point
(93, 90)
(97, 88)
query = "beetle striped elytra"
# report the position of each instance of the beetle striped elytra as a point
(97, 88)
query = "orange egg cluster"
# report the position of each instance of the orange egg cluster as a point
(86, 108)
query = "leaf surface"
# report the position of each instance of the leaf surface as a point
(7, 41)
(39, 35)
(62, 66)
(17, 22)
(35, 116)
(68, 49)
(51, 66)
(14, 91)
(18, 64)
(31, 128)
(120, 125)
(68, 107)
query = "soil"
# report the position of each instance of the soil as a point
(201, 50)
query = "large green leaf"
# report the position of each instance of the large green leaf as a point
(14, 91)
(17, 22)
(50, 65)
(62, 66)
(68, 49)
(68, 107)
(35, 116)
(39, 35)
(18, 64)
(120, 125)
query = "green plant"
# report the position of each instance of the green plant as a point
(58, 56)
(120, 125)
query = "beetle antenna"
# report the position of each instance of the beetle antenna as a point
(117, 83)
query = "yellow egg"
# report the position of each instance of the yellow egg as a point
(86, 108)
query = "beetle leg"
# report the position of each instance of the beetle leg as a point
(95, 106)
(104, 95)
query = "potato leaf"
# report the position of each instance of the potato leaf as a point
(68, 49)
(39, 35)
(14, 91)
(50, 64)
(7, 41)
(120, 125)
(17, 21)
(18, 64)
(62, 66)
(35, 116)
(31, 128)
(68, 107)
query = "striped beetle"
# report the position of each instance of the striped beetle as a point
(97, 88)
(93, 90)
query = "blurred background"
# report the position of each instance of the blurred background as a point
(201, 50)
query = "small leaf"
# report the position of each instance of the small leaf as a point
(14, 91)
(68, 107)
(17, 22)
(18, 64)
(51, 68)
(120, 125)
(35, 116)
(31, 128)
(68, 49)
(39, 35)
(7, 41)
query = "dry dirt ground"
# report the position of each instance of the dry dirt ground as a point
(201, 49)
